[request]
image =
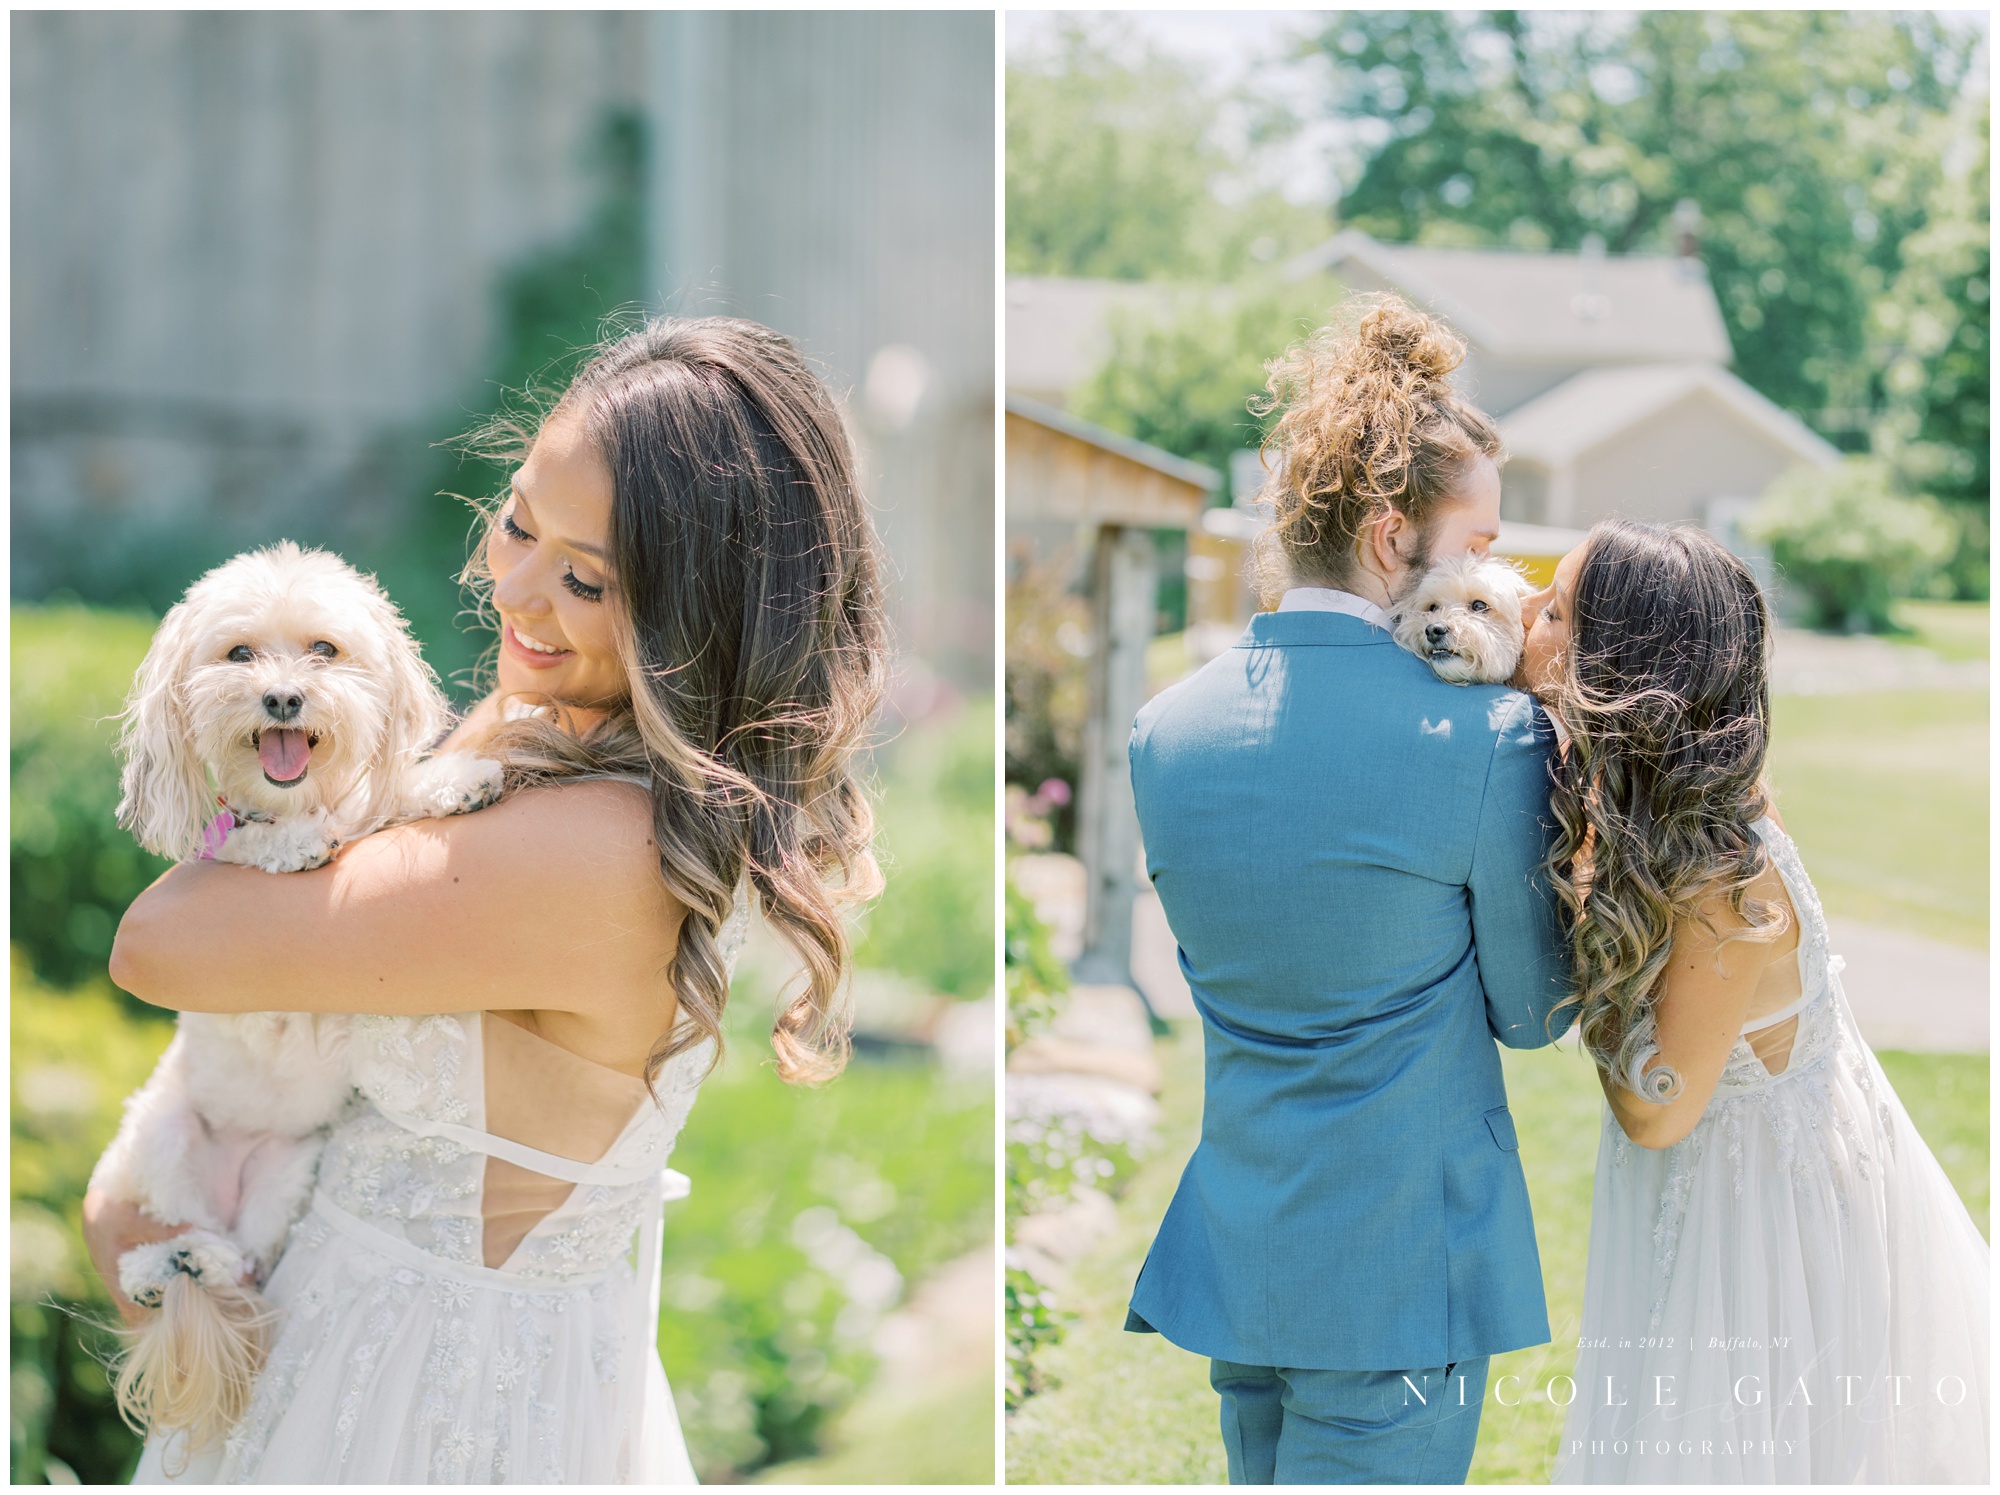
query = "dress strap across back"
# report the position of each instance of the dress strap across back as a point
(546, 1163)
(1778, 845)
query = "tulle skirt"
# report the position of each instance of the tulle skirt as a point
(392, 1366)
(1793, 1293)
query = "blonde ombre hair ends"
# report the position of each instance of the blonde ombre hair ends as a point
(751, 626)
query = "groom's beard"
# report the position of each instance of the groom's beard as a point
(1416, 564)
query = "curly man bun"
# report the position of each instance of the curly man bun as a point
(1367, 421)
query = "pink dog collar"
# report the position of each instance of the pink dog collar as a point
(215, 834)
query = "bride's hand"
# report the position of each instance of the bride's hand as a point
(111, 1227)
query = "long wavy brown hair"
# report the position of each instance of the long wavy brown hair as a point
(752, 632)
(1367, 421)
(1666, 699)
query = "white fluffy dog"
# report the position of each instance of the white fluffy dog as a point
(286, 688)
(1463, 617)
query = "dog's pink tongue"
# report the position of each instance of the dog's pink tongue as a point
(283, 752)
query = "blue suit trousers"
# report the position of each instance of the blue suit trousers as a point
(1349, 1427)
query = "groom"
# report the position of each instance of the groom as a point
(1348, 851)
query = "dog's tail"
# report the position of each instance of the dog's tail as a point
(189, 1368)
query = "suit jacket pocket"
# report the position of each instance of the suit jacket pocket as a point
(1501, 1123)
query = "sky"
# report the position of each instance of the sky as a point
(1231, 44)
(1230, 38)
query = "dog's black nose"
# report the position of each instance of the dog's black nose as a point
(283, 703)
(1434, 634)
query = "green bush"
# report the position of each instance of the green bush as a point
(812, 1212)
(1036, 980)
(1848, 544)
(934, 921)
(810, 1208)
(73, 869)
(1033, 1322)
(75, 1055)
(1048, 637)
(1049, 1156)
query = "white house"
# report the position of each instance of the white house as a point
(1609, 376)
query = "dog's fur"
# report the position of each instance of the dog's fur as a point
(1463, 618)
(225, 1137)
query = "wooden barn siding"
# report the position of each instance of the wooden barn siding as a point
(246, 243)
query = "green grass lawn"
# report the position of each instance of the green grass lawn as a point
(1955, 630)
(1128, 1409)
(1887, 795)
(1132, 1409)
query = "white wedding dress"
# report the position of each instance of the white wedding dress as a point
(463, 1303)
(1792, 1293)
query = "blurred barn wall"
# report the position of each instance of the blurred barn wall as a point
(257, 257)
(831, 174)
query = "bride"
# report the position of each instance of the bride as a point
(691, 649)
(1783, 1286)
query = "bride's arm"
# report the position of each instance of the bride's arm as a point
(1708, 986)
(549, 900)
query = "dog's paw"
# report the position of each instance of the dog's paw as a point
(297, 843)
(455, 784)
(482, 785)
(318, 854)
(145, 1271)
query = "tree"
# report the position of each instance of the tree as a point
(1809, 140)
(1183, 380)
(1113, 161)
(1930, 341)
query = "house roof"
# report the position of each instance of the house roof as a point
(1589, 409)
(1058, 331)
(1540, 307)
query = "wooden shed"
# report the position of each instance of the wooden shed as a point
(1067, 473)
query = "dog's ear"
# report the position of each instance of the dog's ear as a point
(417, 710)
(165, 801)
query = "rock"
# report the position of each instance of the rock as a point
(1110, 1110)
(945, 1329)
(1039, 1265)
(1050, 1055)
(1112, 1017)
(1066, 1235)
(966, 1042)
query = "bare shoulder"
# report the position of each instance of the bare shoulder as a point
(596, 835)
(610, 812)
(577, 846)
(1732, 944)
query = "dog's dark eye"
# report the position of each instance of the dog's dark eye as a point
(240, 654)
(324, 650)
(1432, 608)
(1479, 607)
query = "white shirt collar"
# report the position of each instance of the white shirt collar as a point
(1329, 600)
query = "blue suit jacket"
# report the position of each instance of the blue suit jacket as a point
(1348, 851)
